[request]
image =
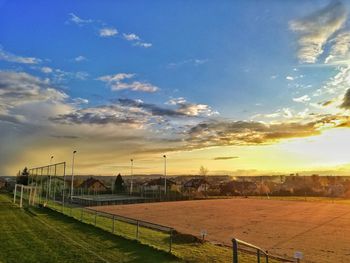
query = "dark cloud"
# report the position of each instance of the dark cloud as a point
(220, 133)
(9, 118)
(346, 100)
(101, 115)
(152, 108)
(225, 158)
(65, 137)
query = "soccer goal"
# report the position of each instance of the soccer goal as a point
(25, 193)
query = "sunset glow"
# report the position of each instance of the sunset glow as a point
(243, 89)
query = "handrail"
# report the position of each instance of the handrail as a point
(160, 227)
(259, 252)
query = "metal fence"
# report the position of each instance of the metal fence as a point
(240, 247)
(53, 191)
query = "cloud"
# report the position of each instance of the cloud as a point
(143, 44)
(80, 59)
(346, 100)
(27, 99)
(137, 41)
(20, 87)
(102, 115)
(289, 78)
(131, 37)
(339, 49)
(118, 82)
(315, 30)
(9, 57)
(192, 109)
(108, 32)
(135, 113)
(182, 108)
(221, 133)
(79, 21)
(302, 99)
(195, 62)
(46, 70)
(223, 158)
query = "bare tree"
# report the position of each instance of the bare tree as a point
(203, 172)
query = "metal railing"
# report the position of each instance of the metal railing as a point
(261, 254)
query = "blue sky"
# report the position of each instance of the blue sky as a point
(164, 67)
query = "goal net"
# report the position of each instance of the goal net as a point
(25, 195)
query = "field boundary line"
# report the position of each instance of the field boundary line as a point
(72, 240)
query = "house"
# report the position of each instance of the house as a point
(196, 185)
(158, 185)
(93, 185)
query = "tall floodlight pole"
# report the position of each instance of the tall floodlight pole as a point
(132, 175)
(164, 156)
(50, 175)
(72, 181)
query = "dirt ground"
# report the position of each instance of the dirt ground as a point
(321, 230)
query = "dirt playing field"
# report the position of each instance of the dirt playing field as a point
(321, 230)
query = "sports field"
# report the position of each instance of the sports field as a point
(43, 235)
(321, 230)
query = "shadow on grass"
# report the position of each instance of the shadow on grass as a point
(107, 242)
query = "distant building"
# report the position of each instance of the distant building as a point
(159, 184)
(93, 185)
(196, 185)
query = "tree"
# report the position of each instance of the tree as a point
(22, 178)
(203, 171)
(119, 186)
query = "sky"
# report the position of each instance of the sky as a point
(240, 87)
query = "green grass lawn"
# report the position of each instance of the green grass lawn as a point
(41, 235)
(44, 235)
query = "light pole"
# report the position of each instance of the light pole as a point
(132, 178)
(72, 181)
(48, 189)
(164, 156)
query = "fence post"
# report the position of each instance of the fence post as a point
(14, 194)
(258, 255)
(235, 250)
(21, 201)
(170, 240)
(137, 230)
(267, 257)
(113, 225)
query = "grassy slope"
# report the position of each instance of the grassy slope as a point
(42, 235)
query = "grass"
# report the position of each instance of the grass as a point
(41, 235)
(44, 235)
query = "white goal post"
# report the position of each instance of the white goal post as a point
(25, 192)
